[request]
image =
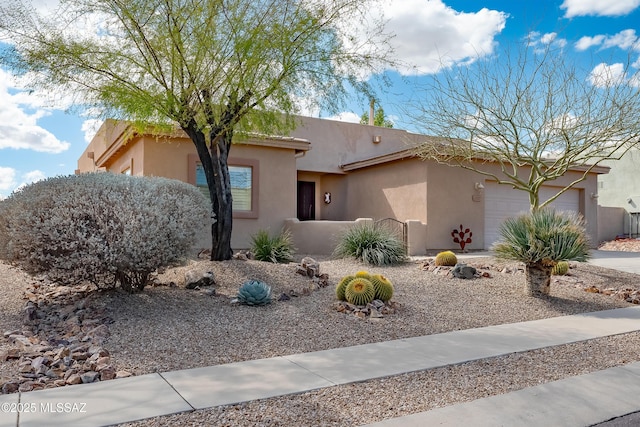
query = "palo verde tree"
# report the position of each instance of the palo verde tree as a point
(532, 113)
(536, 116)
(214, 68)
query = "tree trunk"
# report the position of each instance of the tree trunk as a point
(216, 171)
(538, 279)
(223, 206)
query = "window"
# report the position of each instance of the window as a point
(244, 186)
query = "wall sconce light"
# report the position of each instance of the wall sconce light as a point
(478, 186)
(594, 196)
(327, 198)
(377, 139)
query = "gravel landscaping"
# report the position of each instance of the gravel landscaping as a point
(169, 327)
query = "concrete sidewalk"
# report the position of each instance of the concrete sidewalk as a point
(135, 398)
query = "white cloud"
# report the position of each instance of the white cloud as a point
(598, 7)
(19, 115)
(429, 35)
(535, 39)
(625, 39)
(90, 128)
(7, 178)
(604, 75)
(586, 42)
(346, 116)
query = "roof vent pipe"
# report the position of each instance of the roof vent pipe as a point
(371, 104)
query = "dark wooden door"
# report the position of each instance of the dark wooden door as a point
(306, 200)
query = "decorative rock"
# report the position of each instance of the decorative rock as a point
(74, 379)
(10, 387)
(463, 271)
(194, 279)
(89, 377)
(107, 373)
(309, 267)
(123, 374)
(284, 297)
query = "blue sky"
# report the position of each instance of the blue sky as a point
(39, 140)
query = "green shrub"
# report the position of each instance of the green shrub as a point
(371, 244)
(254, 292)
(104, 228)
(276, 249)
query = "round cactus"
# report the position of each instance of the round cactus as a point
(446, 258)
(382, 286)
(342, 286)
(560, 269)
(359, 291)
(254, 292)
(363, 274)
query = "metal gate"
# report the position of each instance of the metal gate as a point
(397, 228)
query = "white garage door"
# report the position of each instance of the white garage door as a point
(502, 201)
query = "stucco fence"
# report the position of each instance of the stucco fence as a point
(321, 237)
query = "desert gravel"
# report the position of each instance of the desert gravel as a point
(169, 328)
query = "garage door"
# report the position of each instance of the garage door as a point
(502, 201)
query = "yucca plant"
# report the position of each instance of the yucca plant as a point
(371, 244)
(276, 249)
(540, 239)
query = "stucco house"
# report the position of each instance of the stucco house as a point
(327, 173)
(619, 195)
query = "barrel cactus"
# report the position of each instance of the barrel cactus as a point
(382, 286)
(560, 269)
(342, 286)
(446, 258)
(360, 291)
(254, 292)
(363, 274)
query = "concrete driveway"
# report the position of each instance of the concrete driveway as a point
(617, 260)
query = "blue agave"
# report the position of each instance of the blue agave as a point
(254, 292)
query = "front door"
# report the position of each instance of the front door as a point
(306, 200)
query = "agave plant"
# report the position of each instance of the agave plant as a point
(540, 239)
(254, 292)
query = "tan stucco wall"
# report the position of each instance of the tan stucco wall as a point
(450, 202)
(394, 190)
(318, 237)
(337, 143)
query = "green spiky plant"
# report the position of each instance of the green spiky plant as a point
(446, 258)
(371, 244)
(539, 238)
(342, 286)
(359, 291)
(383, 287)
(254, 292)
(276, 249)
(560, 269)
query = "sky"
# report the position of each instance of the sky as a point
(39, 140)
